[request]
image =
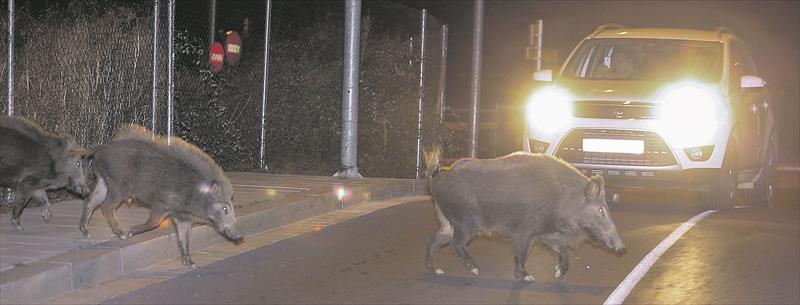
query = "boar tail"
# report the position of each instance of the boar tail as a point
(431, 156)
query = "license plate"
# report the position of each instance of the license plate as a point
(614, 146)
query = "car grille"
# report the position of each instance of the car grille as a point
(656, 151)
(613, 110)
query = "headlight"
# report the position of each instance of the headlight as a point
(548, 110)
(688, 115)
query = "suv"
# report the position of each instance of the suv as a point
(660, 107)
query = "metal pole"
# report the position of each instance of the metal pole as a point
(170, 66)
(212, 21)
(10, 101)
(443, 74)
(423, 30)
(155, 69)
(267, 15)
(477, 43)
(538, 44)
(352, 31)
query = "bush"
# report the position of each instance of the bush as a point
(86, 70)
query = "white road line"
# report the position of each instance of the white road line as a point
(626, 286)
(273, 187)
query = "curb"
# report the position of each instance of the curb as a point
(73, 270)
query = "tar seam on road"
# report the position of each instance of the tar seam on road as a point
(626, 286)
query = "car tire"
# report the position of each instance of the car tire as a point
(721, 192)
(763, 189)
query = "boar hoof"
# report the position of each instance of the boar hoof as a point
(46, 215)
(558, 272)
(15, 223)
(439, 271)
(475, 271)
(528, 278)
(123, 236)
(189, 262)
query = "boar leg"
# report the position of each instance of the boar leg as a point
(557, 243)
(109, 207)
(155, 218)
(18, 205)
(41, 195)
(90, 204)
(461, 238)
(522, 247)
(441, 237)
(183, 226)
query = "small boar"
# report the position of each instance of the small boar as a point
(33, 161)
(178, 181)
(521, 196)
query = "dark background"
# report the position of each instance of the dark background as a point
(771, 29)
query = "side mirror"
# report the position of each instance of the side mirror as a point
(752, 81)
(545, 75)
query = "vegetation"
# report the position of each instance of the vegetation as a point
(86, 70)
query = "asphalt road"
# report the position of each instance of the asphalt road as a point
(743, 256)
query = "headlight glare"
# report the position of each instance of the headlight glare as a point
(688, 115)
(548, 110)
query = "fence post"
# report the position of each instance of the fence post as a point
(268, 14)
(352, 35)
(477, 44)
(442, 75)
(212, 21)
(155, 68)
(170, 66)
(10, 101)
(422, 38)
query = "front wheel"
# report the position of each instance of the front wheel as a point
(721, 191)
(763, 189)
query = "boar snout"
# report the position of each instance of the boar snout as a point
(81, 189)
(233, 234)
(621, 251)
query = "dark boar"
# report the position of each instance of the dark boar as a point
(33, 161)
(524, 197)
(178, 181)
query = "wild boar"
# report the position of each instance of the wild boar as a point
(521, 196)
(32, 161)
(174, 180)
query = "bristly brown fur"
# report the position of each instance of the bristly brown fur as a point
(178, 148)
(25, 126)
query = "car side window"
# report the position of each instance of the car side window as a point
(748, 66)
(736, 71)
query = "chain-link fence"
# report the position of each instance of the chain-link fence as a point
(86, 68)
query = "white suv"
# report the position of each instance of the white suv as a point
(660, 107)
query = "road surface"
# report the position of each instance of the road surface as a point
(747, 255)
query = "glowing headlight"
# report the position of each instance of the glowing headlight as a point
(548, 110)
(688, 115)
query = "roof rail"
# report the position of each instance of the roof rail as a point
(722, 30)
(607, 26)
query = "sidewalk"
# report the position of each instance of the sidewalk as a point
(50, 259)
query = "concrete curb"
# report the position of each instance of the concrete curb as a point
(54, 276)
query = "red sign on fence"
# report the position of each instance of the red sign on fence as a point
(233, 48)
(217, 56)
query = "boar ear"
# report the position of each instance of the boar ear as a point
(594, 188)
(216, 187)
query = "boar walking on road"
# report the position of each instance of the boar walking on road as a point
(524, 197)
(176, 181)
(32, 161)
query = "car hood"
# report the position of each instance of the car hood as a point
(604, 90)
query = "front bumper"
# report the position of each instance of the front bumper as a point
(666, 166)
(669, 177)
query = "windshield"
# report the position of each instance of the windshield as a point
(646, 59)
